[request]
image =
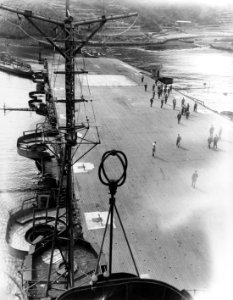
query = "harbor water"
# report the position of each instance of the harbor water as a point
(17, 174)
(203, 73)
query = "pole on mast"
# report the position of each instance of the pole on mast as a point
(70, 135)
(67, 8)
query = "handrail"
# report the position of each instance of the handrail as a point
(23, 206)
(199, 101)
(27, 202)
(191, 97)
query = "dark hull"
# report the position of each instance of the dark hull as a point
(125, 289)
(222, 46)
(16, 72)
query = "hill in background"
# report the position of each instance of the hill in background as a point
(152, 18)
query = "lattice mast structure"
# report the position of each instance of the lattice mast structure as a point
(69, 49)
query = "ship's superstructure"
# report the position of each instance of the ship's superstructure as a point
(56, 257)
(51, 215)
(15, 66)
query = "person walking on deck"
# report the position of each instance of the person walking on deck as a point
(216, 142)
(153, 87)
(195, 107)
(151, 102)
(160, 91)
(220, 133)
(145, 86)
(153, 148)
(178, 140)
(174, 103)
(165, 98)
(212, 130)
(162, 101)
(183, 110)
(194, 179)
(153, 94)
(170, 89)
(142, 79)
(210, 141)
(182, 101)
(179, 117)
(187, 114)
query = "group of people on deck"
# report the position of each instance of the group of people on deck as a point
(184, 109)
(164, 92)
(214, 139)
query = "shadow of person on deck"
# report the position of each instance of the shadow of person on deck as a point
(218, 150)
(200, 190)
(183, 148)
(182, 124)
(160, 158)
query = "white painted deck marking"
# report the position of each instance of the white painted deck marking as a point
(145, 276)
(81, 167)
(106, 80)
(59, 88)
(97, 220)
(62, 116)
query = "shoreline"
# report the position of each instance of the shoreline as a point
(158, 41)
(195, 36)
(167, 41)
(163, 41)
(182, 41)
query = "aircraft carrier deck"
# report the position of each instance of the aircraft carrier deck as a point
(179, 234)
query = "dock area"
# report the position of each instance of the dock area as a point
(178, 234)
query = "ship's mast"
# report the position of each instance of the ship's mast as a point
(68, 51)
(70, 135)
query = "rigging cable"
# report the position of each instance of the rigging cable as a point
(84, 67)
(58, 63)
(87, 119)
(81, 95)
(92, 107)
(19, 26)
(79, 145)
(79, 78)
(37, 40)
(127, 29)
(97, 131)
(80, 86)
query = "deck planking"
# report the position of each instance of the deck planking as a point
(174, 230)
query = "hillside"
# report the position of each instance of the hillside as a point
(151, 18)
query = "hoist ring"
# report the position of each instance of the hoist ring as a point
(102, 173)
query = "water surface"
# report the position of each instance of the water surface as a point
(203, 72)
